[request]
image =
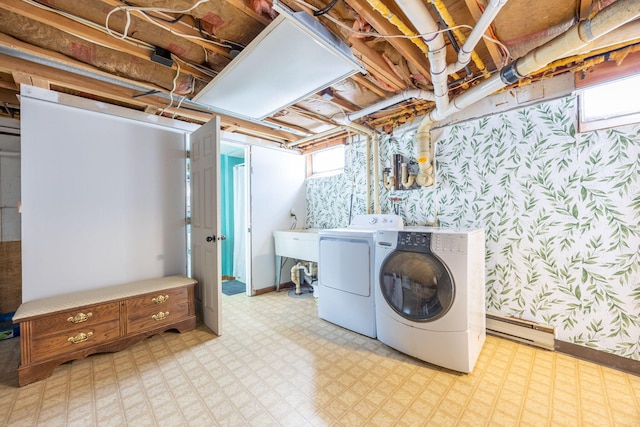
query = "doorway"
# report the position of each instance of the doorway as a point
(235, 267)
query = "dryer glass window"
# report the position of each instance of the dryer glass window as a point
(417, 285)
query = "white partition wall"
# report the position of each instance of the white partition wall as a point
(277, 187)
(103, 199)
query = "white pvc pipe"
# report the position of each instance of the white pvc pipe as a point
(376, 173)
(368, 177)
(607, 20)
(425, 24)
(373, 135)
(295, 274)
(471, 96)
(464, 56)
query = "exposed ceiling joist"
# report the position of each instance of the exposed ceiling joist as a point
(62, 44)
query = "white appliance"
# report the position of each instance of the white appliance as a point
(346, 272)
(430, 295)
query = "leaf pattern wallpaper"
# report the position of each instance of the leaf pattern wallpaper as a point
(560, 209)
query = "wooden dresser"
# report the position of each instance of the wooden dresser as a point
(68, 327)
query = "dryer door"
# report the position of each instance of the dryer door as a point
(417, 286)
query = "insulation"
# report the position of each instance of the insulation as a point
(291, 117)
(322, 106)
(96, 11)
(218, 17)
(522, 32)
(264, 8)
(354, 93)
(103, 58)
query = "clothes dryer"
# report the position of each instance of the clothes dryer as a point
(430, 295)
(346, 272)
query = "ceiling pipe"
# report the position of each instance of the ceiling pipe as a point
(400, 25)
(429, 25)
(446, 20)
(425, 24)
(468, 48)
(439, 69)
(581, 34)
(372, 136)
(567, 43)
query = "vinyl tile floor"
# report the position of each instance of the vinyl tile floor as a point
(277, 363)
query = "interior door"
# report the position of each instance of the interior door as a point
(205, 222)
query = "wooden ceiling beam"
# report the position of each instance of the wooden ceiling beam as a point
(123, 94)
(180, 27)
(376, 65)
(406, 47)
(28, 79)
(107, 59)
(340, 102)
(8, 96)
(275, 121)
(95, 36)
(72, 27)
(221, 17)
(249, 12)
(362, 80)
(9, 64)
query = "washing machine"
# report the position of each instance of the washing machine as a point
(430, 294)
(346, 258)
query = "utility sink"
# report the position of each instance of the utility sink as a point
(299, 244)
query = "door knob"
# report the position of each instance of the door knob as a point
(211, 238)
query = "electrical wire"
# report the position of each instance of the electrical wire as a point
(208, 71)
(168, 21)
(129, 40)
(399, 36)
(86, 22)
(503, 49)
(178, 106)
(128, 9)
(326, 9)
(175, 82)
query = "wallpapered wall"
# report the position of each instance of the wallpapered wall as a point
(561, 211)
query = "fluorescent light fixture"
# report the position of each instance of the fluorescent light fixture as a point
(292, 58)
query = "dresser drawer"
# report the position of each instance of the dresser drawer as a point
(155, 310)
(71, 320)
(83, 336)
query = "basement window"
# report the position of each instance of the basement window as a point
(326, 162)
(610, 104)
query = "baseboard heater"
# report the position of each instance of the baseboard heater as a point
(521, 330)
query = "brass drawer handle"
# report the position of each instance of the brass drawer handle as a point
(80, 317)
(160, 316)
(160, 299)
(81, 337)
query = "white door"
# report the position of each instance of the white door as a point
(205, 222)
